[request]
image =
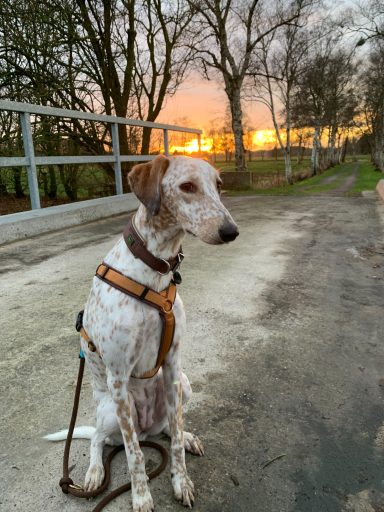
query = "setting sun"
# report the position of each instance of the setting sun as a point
(264, 138)
(261, 139)
(192, 146)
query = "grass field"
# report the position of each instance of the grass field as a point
(361, 175)
(266, 166)
(367, 177)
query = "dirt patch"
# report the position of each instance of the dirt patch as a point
(328, 180)
(347, 183)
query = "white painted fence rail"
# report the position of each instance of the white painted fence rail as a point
(30, 161)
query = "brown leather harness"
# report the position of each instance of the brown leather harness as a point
(162, 301)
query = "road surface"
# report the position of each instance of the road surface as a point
(284, 352)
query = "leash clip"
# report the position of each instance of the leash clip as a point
(77, 487)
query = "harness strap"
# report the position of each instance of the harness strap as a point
(162, 301)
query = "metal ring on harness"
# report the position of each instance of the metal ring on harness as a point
(168, 269)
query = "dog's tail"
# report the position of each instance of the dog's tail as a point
(78, 433)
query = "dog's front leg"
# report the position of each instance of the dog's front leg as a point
(182, 485)
(141, 497)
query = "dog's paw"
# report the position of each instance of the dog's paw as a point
(142, 501)
(94, 477)
(192, 444)
(184, 489)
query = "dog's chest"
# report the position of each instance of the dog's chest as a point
(126, 331)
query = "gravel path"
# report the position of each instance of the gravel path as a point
(346, 185)
(284, 352)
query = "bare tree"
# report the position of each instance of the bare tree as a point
(121, 57)
(342, 102)
(162, 57)
(367, 20)
(282, 58)
(324, 98)
(38, 62)
(372, 92)
(230, 32)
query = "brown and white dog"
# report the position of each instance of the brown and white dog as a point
(179, 195)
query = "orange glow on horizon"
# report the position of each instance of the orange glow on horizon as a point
(192, 146)
(253, 141)
(264, 138)
(260, 139)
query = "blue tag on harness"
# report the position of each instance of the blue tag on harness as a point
(81, 354)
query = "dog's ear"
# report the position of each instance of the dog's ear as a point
(145, 181)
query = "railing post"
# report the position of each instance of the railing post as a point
(199, 142)
(116, 154)
(166, 143)
(25, 120)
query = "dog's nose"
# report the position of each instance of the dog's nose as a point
(228, 232)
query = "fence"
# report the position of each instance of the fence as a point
(31, 161)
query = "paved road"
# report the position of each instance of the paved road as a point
(284, 351)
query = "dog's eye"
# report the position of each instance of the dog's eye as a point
(188, 187)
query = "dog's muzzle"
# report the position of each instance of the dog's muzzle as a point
(228, 232)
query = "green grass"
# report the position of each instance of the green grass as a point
(266, 166)
(367, 179)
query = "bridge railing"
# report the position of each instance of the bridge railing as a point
(31, 161)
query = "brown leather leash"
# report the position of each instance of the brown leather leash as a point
(66, 483)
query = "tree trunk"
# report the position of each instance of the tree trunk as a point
(299, 156)
(288, 166)
(377, 154)
(68, 176)
(146, 141)
(331, 161)
(52, 190)
(237, 127)
(343, 152)
(121, 111)
(287, 152)
(315, 151)
(17, 183)
(3, 186)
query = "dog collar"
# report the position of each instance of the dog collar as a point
(137, 246)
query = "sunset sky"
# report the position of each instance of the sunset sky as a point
(203, 102)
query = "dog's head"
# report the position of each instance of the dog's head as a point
(188, 189)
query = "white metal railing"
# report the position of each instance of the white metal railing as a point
(30, 161)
